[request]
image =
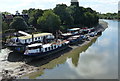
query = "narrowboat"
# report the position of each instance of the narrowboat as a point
(74, 31)
(39, 49)
(74, 39)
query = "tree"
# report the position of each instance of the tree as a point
(6, 13)
(18, 24)
(34, 15)
(4, 26)
(49, 22)
(77, 14)
(63, 13)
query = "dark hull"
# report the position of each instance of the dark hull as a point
(19, 49)
(74, 41)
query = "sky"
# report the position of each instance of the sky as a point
(102, 6)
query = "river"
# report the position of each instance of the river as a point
(96, 60)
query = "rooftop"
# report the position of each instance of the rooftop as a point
(34, 45)
(35, 35)
(73, 29)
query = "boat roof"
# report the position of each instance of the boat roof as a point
(73, 29)
(34, 45)
(46, 45)
(35, 35)
(76, 36)
(66, 34)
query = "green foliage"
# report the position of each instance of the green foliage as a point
(63, 13)
(83, 16)
(90, 19)
(109, 16)
(34, 14)
(49, 22)
(6, 13)
(4, 26)
(18, 24)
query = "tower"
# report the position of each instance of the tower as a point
(74, 2)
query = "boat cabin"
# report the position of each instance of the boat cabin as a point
(33, 38)
(42, 48)
(74, 31)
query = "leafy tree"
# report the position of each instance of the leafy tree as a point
(49, 22)
(63, 13)
(6, 13)
(77, 14)
(35, 14)
(18, 24)
(4, 26)
(25, 12)
(109, 16)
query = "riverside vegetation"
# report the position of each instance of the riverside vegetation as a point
(110, 16)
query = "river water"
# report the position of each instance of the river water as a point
(96, 60)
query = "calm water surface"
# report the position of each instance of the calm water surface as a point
(96, 60)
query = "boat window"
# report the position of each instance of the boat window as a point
(45, 49)
(35, 38)
(48, 48)
(54, 47)
(51, 47)
(38, 37)
(40, 49)
(25, 41)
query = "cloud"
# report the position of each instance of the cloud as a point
(96, 65)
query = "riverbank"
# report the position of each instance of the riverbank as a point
(18, 68)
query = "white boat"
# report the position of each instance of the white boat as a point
(39, 49)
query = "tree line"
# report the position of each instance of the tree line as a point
(61, 17)
(109, 16)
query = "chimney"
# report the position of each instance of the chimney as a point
(32, 38)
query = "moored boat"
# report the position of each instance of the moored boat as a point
(39, 49)
(18, 44)
(74, 39)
